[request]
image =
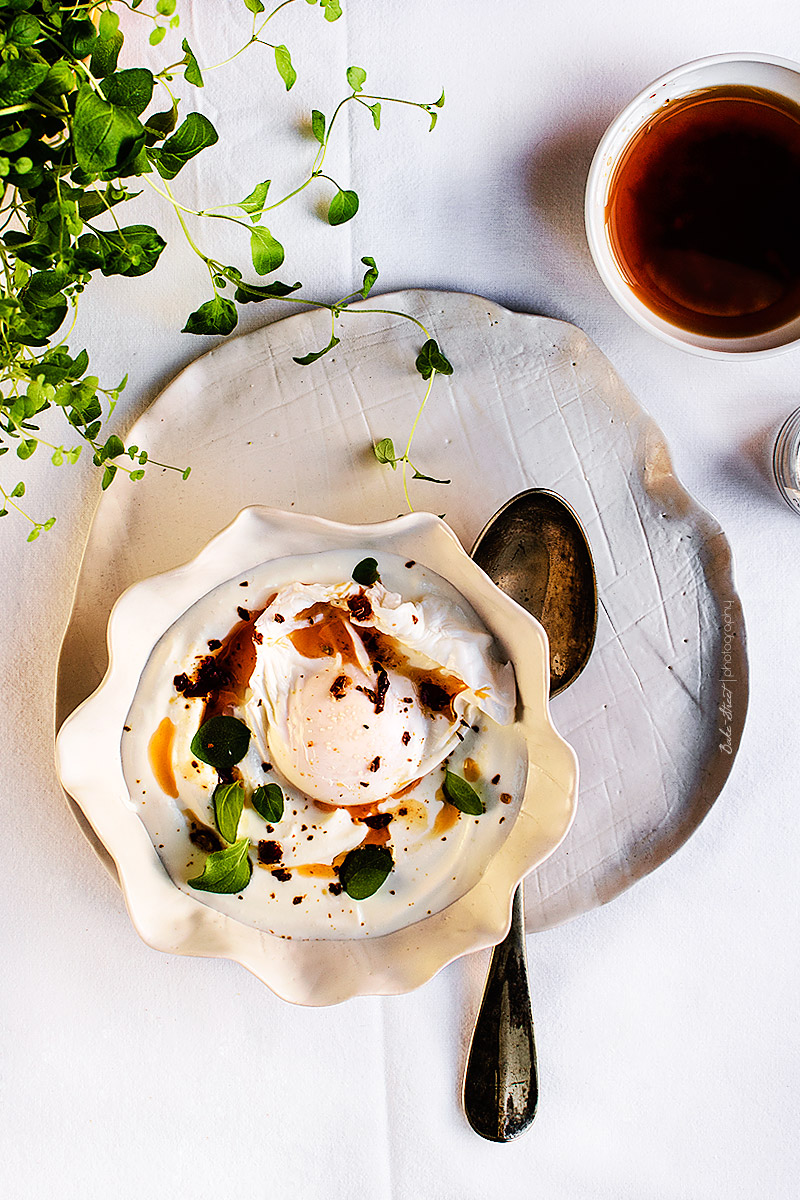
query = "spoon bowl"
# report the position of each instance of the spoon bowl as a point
(534, 548)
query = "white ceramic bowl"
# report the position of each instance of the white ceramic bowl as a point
(753, 70)
(314, 971)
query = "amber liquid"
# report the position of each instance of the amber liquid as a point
(703, 213)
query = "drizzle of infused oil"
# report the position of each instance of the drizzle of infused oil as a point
(159, 752)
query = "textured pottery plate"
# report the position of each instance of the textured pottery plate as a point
(532, 403)
(319, 971)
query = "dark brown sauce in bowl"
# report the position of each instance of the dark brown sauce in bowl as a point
(702, 212)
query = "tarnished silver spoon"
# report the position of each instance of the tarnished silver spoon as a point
(534, 549)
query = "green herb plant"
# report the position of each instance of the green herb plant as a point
(77, 133)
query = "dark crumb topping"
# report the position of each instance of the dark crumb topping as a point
(406, 738)
(375, 765)
(279, 618)
(360, 607)
(340, 685)
(270, 852)
(205, 839)
(505, 797)
(266, 767)
(243, 613)
(335, 889)
(377, 694)
(377, 820)
(214, 643)
(411, 563)
(495, 780)
(298, 899)
(244, 584)
(282, 875)
(208, 677)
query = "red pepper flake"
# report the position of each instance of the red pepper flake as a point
(270, 853)
(340, 685)
(414, 619)
(375, 764)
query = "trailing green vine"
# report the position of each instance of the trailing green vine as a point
(76, 131)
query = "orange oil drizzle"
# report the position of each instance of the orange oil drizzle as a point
(159, 752)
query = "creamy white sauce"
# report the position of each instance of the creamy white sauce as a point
(439, 854)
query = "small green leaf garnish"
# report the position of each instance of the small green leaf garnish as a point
(226, 871)
(228, 806)
(343, 207)
(366, 572)
(430, 359)
(462, 795)
(221, 742)
(364, 870)
(268, 802)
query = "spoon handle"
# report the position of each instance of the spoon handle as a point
(501, 1086)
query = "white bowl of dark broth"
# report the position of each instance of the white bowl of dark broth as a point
(692, 205)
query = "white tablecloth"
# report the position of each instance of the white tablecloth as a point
(667, 1022)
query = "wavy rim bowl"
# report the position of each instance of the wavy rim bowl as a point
(314, 971)
(779, 75)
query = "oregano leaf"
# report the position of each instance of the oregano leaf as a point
(366, 572)
(267, 253)
(364, 870)
(356, 77)
(215, 316)
(192, 73)
(384, 452)
(221, 742)
(225, 871)
(253, 204)
(310, 358)
(268, 802)
(318, 125)
(462, 795)
(343, 207)
(370, 276)
(430, 359)
(194, 134)
(228, 801)
(283, 61)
